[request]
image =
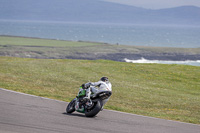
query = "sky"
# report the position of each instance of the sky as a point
(157, 4)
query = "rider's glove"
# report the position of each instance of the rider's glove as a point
(87, 85)
(83, 86)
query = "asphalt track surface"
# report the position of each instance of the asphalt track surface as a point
(22, 113)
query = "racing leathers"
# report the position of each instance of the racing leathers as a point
(95, 87)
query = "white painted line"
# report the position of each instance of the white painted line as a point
(104, 109)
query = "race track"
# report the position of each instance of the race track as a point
(21, 113)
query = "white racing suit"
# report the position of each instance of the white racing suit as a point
(96, 87)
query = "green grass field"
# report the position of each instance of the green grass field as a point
(23, 41)
(162, 91)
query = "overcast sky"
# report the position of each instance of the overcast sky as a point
(157, 4)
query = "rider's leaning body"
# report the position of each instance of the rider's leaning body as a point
(94, 87)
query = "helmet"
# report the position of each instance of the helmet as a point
(104, 79)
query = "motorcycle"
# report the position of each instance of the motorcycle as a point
(89, 107)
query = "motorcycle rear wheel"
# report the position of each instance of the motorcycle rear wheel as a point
(95, 110)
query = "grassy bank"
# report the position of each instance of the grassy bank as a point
(57, 49)
(163, 91)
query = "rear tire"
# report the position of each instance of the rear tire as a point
(97, 107)
(71, 107)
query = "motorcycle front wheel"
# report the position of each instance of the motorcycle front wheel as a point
(71, 107)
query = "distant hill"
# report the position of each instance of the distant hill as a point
(95, 11)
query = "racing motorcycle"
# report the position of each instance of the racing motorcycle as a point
(90, 107)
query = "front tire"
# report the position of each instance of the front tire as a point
(95, 110)
(71, 107)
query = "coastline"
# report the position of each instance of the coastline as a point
(153, 56)
(98, 51)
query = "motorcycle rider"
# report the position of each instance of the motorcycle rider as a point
(93, 87)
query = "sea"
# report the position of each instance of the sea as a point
(121, 34)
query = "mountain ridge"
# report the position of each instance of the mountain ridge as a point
(97, 12)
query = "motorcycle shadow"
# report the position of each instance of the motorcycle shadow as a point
(77, 114)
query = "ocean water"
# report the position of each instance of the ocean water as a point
(162, 36)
